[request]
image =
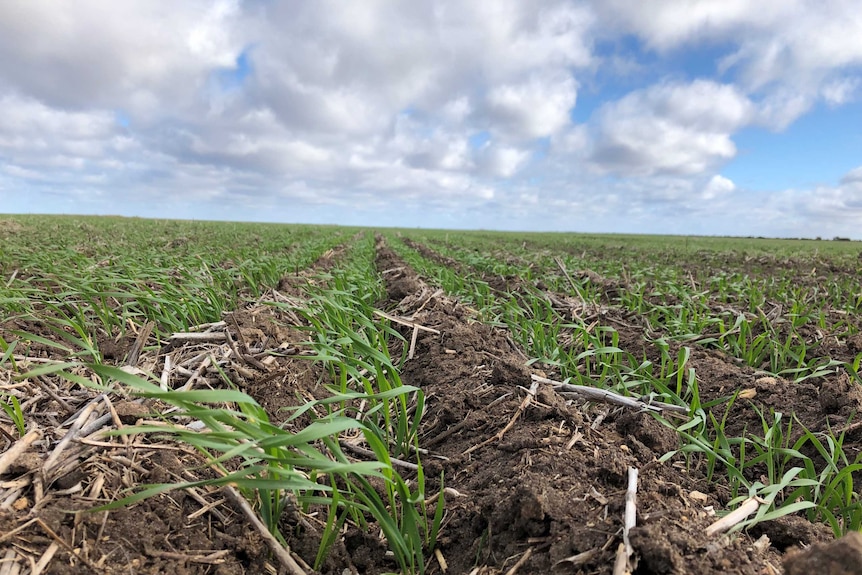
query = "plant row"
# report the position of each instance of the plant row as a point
(792, 468)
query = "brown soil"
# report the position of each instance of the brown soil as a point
(533, 479)
(832, 400)
(550, 485)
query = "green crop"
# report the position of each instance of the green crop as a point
(763, 318)
(572, 303)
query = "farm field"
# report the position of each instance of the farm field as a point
(345, 400)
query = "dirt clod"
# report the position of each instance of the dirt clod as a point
(840, 395)
(657, 555)
(130, 411)
(646, 429)
(841, 557)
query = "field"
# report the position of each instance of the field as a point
(200, 397)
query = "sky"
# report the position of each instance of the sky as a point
(725, 117)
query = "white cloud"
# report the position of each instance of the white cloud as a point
(535, 108)
(572, 142)
(854, 176)
(826, 211)
(667, 24)
(115, 54)
(505, 162)
(718, 186)
(28, 118)
(457, 110)
(782, 107)
(35, 138)
(839, 91)
(210, 39)
(789, 52)
(457, 106)
(670, 128)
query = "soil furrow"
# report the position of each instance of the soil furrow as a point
(550, 483)
(818, 404)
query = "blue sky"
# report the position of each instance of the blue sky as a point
(718, 117)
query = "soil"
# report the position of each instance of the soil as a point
(551, 484)
(832, 400)
(535, 483)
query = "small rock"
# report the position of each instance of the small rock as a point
(841, 557)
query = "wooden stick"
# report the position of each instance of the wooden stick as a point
(165, 379)
(608, 396)
(193, 492)
(197, 373)
(568, 277)
(214, 558)
(67, 546)
(47, 389)
(9, 498)
(739, 514)
(12, 278)
(281, 553)
(20, 528)
(579, 559)
(208, 326)
(413, 342)
(9, 564)
(631, 508)
(20, 446)
(45, 559)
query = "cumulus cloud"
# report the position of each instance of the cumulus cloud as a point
(854, 176)
(149, 57)
(665, 25)
(670, 128)
(466, 108)
(35, 138)
(826, 211)
(782, 107)
(718, 186)
(535, 108)
(789, 53)
(504, 162)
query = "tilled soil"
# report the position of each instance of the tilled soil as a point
(818, 404)
(535, 483)
(831, 401)
(550, 486)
